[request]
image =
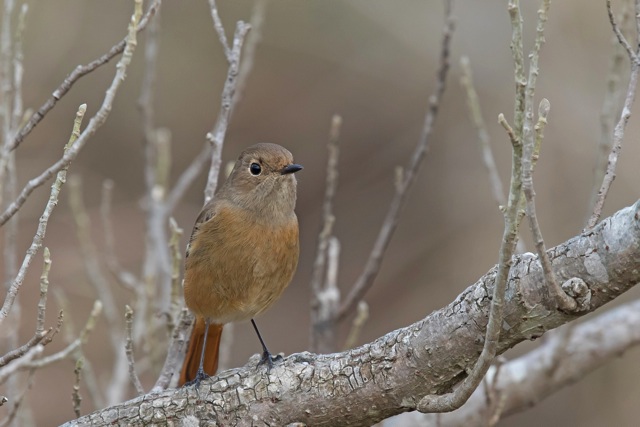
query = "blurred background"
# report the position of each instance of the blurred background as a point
(372, 62)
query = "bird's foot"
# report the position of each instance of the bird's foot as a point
(268, 359)
(200, 375)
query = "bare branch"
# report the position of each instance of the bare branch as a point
(198, 163)
(176, 257)
(44, 290)
(621, 38)
(91, 261)
(76, 74)
(75, 395)
(526, 380)
(179, 337)
(483, 137)
(365, 280)
(36, 243)
(70, 337)
(216, 136)
(455, 399)
(618, 133)
(362, 315)
(20, 363)
(497, 189)
(564, 301)
(23, 349)
(217, 24)
(318, 321)
(610, 108)
(96, 121)
(73, 346)
(255, 36)
(17, 402)
(187, 177)
(128, 315)
(156, 271)
(127, 279)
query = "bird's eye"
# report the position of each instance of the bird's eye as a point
(255, 169)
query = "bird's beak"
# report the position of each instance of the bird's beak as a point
(293, 168)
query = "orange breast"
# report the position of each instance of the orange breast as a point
(238, 268)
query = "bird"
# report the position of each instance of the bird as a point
(242, 253)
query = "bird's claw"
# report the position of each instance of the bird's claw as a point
(200, 375)
(268, 359)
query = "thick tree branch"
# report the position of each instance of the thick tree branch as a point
(392, 373)
(527, 380)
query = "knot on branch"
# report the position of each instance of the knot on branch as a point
(577, 289)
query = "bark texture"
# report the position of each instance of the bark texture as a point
(390, 375)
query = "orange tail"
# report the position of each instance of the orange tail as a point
(192, 359)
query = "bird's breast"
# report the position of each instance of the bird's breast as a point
(237, 267)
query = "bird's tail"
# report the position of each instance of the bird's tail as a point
(192, 358)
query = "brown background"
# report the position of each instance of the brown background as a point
(373, 62)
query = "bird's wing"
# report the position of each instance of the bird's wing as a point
(207, 213)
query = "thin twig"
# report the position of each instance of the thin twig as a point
(448, 402)
(328, 301)
(618, 133)
(127, 279)
(362, 315)
(176, 260)
(36, 243)
(255, 36)
(40, 333)
(633, 56)
(319, 269)
(52, 332)
(156, 270)
(179, 338)
(564, 302)
(96, 122)
(91, 259)
(21, 363)
(455, 399)
(246, 65)
(74, 345)
(217, 24)
(23, 349)
(128, 315)
(18, 69)
(610, 108)
(75, 394)
(532, 137)
(188, 176)
(497, 189)
(10, 92)
(44, 290)
(70, 336)
(365, 280)
(216, 136)
(17, 402)
(76, 74)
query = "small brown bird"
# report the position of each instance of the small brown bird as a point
(242, 253)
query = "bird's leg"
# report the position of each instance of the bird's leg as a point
(266, 355)
(201, 374)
